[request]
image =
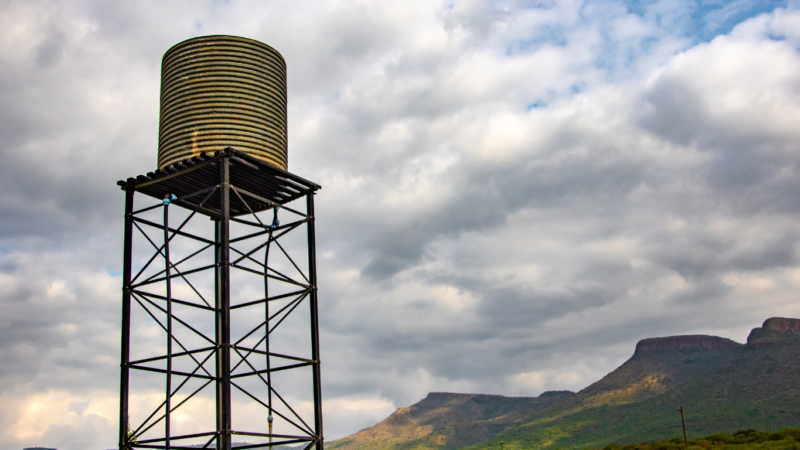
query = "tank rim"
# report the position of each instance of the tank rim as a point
(223, 37)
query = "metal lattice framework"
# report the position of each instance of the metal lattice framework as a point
(232, 189)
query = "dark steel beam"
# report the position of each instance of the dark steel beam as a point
(277, 355)
(173, 230)
(275, 444)
(168, 413)
(263, 188)
(259, 401)
(224, 440)
(276, 369)
(169, 436)
(312, 276)
(207, 246)
(126, 320)
(161, 447)
(291, 260)
(285, 436)
(267, 229)
(265, 322)
(174, 317)
(174, 372)
(217, 333)
(174, 355)
(180, 274)
(174, 300)
(270, 299)
(138, 431)
(175, 438)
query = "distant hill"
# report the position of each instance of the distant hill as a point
(723, 386)
(773, 330)
(444, 420)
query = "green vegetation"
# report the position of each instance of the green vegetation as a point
(786, 439)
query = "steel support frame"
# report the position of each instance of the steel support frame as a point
(220, 347)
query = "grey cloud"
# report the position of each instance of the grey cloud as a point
(620, 212)
(50, 51)
(488, 195)
(53, 325)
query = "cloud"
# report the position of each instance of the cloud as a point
(513, 194)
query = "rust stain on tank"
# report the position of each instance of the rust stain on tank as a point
(223, 91)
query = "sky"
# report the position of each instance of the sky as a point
(513, 192)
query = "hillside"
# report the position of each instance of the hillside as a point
(723, 386)
(449, 421)
(657, 365)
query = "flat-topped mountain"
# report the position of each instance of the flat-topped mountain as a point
(722, 385)
(658, 365)
(690, 342)
(776, 328)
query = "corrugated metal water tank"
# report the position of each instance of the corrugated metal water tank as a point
(223, 91)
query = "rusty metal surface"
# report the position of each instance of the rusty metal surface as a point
(251, 175)
(223, 91)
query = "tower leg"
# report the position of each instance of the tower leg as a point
(223, 312)
(312, 277)
(168, 411)
(126, 321)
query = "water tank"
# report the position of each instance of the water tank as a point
(223, 91)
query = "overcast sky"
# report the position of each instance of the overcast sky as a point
(514, 192)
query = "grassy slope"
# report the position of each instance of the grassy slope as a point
(786, 439)
(753, 387)
(448, 421)
(646, 376)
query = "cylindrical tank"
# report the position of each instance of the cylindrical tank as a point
(223, 91)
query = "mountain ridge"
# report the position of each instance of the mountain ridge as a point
(715, 378)
(685, 342)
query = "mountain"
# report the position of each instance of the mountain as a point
(449, 421)
(774, 329)
(722, 385)
(657, 365)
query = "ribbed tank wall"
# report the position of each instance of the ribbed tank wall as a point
(223, 91)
